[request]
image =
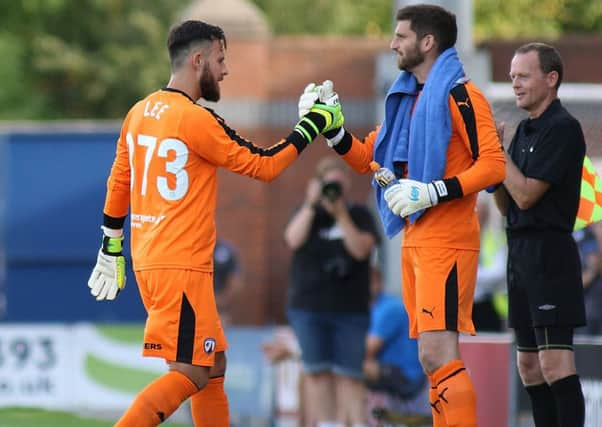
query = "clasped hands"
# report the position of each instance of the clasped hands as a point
(406, 196)
(322, 99)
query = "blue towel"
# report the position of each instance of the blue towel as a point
(420, 138)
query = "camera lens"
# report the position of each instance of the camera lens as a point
(332, 190)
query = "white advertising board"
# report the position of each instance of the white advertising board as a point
(100, 369)
(34, 367)
(69, 367)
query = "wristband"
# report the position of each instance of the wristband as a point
(445, 189)
(332, 142)
(112, 245)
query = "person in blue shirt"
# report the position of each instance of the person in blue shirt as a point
(394, 377)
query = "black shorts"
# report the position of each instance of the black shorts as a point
(544, 281)
(533, 340)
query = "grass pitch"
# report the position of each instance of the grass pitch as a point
(34, 417)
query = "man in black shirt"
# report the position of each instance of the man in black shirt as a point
(540, 198)
(329, 294)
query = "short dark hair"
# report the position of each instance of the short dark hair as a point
(430, 19)
(549, 58)
(183, 36)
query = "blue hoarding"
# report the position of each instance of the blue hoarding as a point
(52, 185)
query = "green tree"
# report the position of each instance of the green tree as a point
(65, 59)
(339, 17)
(511, 19)
(81, 58)
(505, 19)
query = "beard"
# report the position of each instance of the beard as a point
(411, 59)
(209, 85)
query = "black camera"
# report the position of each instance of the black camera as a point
(332, 190)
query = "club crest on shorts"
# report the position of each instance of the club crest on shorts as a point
(209, 345)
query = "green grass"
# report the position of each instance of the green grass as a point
(34, 417)
(128, 380)
(125, 333)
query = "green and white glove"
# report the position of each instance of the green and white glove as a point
(323, 97)
(320, 119)
(108, 276)
(330, 98)
(409, 196)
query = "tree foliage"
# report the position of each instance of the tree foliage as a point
(94, 58)
(504, 19)
(340, 17)
(81, 58)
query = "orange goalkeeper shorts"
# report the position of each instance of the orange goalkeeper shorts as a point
(438, 288)
(182, 323)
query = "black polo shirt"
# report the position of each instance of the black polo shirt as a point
(550, 148)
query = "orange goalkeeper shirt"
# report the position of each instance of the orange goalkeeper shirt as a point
(452, 224)
(165, 172)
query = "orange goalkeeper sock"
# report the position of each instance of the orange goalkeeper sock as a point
(158, 400)
(209, 405)
(456, 394)
(436, 410)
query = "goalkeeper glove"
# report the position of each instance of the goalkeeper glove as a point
(330, 98)
(409, 196)
(308, 98)
(108, 276)
(323, 97)
(320, 119)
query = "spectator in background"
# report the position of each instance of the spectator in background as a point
(490, 300)
(394, 377)
(282, 350)
(589, 241)
(227, 278)
(329, 294)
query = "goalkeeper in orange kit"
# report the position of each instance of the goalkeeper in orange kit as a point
(165, 173)
(439, 140)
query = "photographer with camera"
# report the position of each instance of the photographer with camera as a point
(329, 294)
